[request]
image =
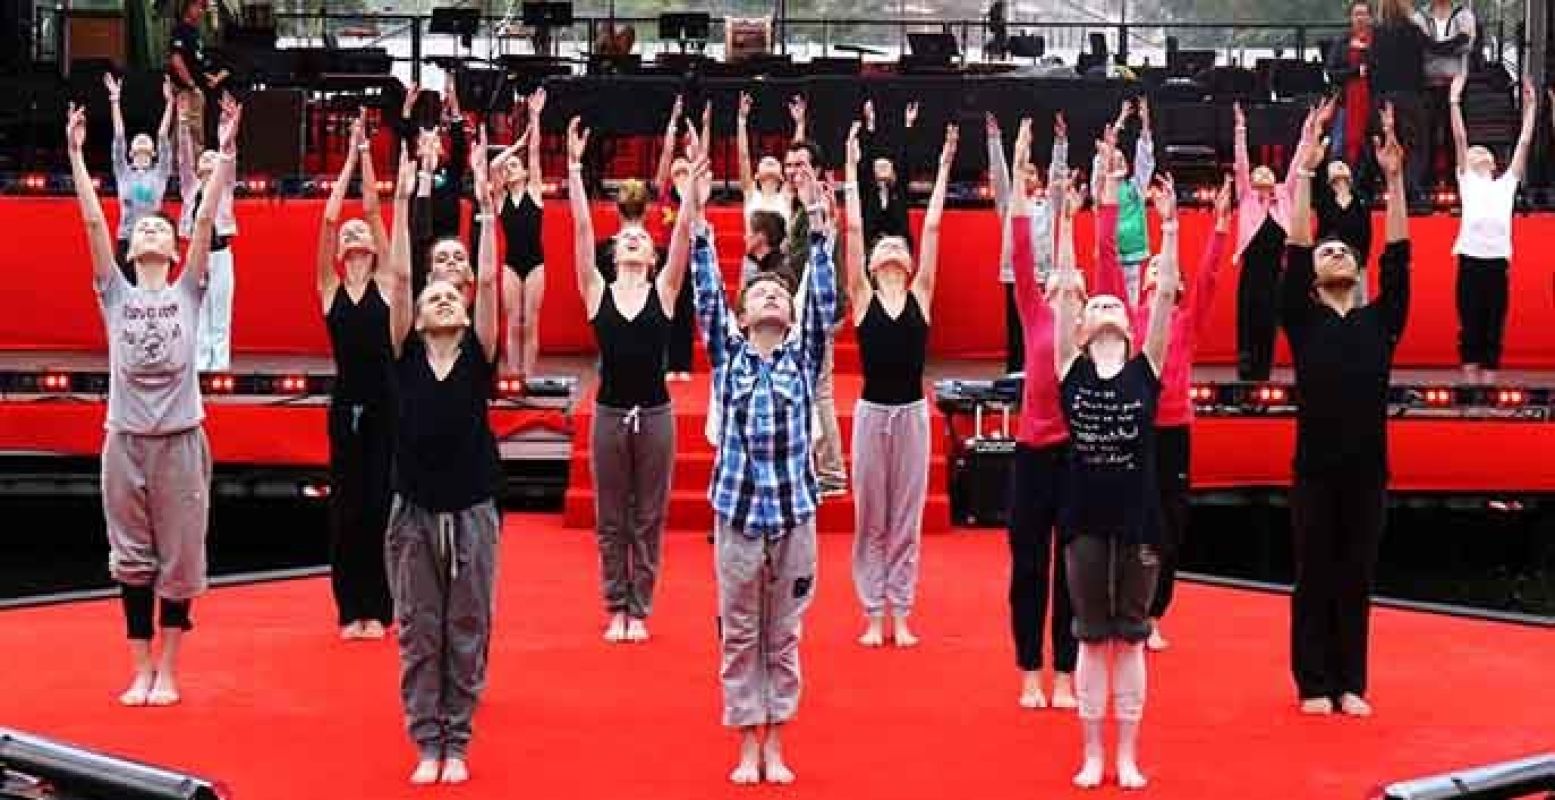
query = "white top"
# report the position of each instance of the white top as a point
(781, 204)
(1486, 228)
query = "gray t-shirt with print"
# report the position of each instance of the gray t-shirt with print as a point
(152, 384)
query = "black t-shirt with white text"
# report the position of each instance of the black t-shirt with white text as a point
(1112, 477)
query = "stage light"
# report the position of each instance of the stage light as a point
(510, 387)
(294, 383)
(1202, 394)
(258, 185)
(315, 491)
(56, 382)
(1438, 397)
(324, 185)
(35, 182)
(985, 192)
(1270, 395)
(219, 384)
(1510, 397)
(385, 187)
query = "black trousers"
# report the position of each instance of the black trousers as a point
(1336, 523)
(1257, 314)
(1437, 137)
(1014, 333)
(1036, 558)
(1482, 300)
(361, 441)
(682, 329)
(1171, 461)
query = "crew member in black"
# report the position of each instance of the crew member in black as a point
(187, 67)
(1343, 355)
(884, 198)
(361, 411)
(442, 538)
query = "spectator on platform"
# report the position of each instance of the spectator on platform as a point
(633, 439)
(156, 461)
(1450, 32)
(1174, 415)
(1396, 68)
(351, 294)
(442, 535)
(1041, 449)
(140, 175)
(1133, 230)
(885, 198)
(521, 213)
(1110, 390)
(1343, 355)
(1347, 71)
(214, 350)
(671, 173)
(768, 361)
(1262, 222)
(1484, 244)
(190, 73)
(890, 298)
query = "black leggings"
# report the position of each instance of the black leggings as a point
(1482, 300)
(1171, 459)
(1336, 525)
(1256, 314)
(1014, 333)
(360, 449)
(682, 330)
(140, 601)
(1036, 492)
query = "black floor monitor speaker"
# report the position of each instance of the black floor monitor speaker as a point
(72, 771)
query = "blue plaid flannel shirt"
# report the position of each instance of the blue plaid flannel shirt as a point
(763, 484)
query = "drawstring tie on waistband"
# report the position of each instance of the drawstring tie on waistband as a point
(633, 419)
(446, 548)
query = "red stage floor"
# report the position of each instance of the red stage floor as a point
(277, 708)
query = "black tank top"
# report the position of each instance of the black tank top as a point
(445, 456)
(892, 352)
(1267, 244)
(522, 224)
(359, 341)
(631, 352)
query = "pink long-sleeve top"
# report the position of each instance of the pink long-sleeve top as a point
(1041, 417)
(1252, 207)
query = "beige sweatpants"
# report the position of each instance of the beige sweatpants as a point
(156, 501)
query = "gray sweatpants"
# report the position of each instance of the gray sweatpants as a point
(442, 571)
(633, 458)
(890, 482)
(764, 587)
(157, 500)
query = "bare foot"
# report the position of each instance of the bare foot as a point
(164, 690)
(373, 629)
(1063, 691)
(748, 771)
(1031, 691)
(1156, 643)
(1317, 706)
(772, 760)
(616, 632)
(636, 631)
(139, 689)
(1129, 776)
(903, 635)
(426, 772)
(1090, 774)
(455, 771)
(351, 632)
(874, 635)
(1354, 705)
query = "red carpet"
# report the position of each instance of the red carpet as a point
(277, 708)
(275, 310)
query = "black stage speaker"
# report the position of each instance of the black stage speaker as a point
(980, 472)
(1524, 778)
(70, 771)
(275, 147)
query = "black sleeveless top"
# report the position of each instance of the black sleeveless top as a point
(522, 225)
(359, 341)
(1267, 245)
(445, 457)
(1111, 485)
(892, 352)
(631, 352)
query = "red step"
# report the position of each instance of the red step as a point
(695, 469)
(691, 510)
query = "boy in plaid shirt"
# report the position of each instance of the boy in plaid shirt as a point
(767, 356)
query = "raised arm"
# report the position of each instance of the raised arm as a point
(1028, 296)
(1058, 166)
(327, 279)
(372, 209)
(742, 145)
(1066, 291)
(1109, 267)
(401, 303)
(1460, 134)
(1295, 284)
(198, 257)
(1303, 168)
(1158, 334)
(115, 87)
(188, 175)
(712, 306)
(1144, 150)
(590, 283)
(1243, 167)
(1202, 297)
(692, 203)
(998, 171)
(798, 108)
(1519, 164)
(820, 296)
(928, 254)
(536, 185)
(1393, 294)
(661, 175)
(488, 273)
(853, 258)
(99, 238)
(169, 103)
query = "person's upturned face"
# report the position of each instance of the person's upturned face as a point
(891, 253)
(441, 308)
(767, 302)
(355, 238)
(1104, 312)
(1360, 19)
(153, 235)
(634, 246)
(142, 151)
(793, 166)
(1334, 265)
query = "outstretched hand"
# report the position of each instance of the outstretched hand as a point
(577, 141)
(854, 152)
(231, 120)
(1165, 197)
(75, 128)
(1223, 200)
(1390, 155)
(947, 153)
